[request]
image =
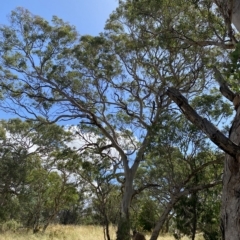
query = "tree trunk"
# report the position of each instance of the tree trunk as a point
(230, 212)
(195, 217)
(162, 219)
(236, 14)
(106, 226)
(230, 9)
(124, 225)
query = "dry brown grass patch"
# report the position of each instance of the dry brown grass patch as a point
(69, 232)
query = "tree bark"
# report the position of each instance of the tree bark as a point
(203, 124)
(124, 226)
(230, 10)
(230, 216)
(230, 210)
(236, 14)
(162, 219)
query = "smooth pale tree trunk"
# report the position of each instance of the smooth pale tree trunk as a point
(124, 225)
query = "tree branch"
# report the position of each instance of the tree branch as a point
(224, 89)
(215, 135)
(145, 186)
(200, 187)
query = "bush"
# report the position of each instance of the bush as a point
(147, 216)
(10, 225)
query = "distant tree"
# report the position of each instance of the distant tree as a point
(75, 212)
(46, 194)
(16, 160)
(187, 213)
(33, 186)
(209, 218)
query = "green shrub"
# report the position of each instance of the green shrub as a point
(10, 225)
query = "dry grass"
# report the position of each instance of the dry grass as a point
(59, 232)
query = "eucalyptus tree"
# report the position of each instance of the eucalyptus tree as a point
(115, 84)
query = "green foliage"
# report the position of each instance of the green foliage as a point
(124, 229)
(212, 106)
(210, 216)
(45, 195)
(187, 211)
(201, 209)
(147, 216)
(231, 69)
(31, 191)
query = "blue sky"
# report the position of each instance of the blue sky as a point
(89, 16)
